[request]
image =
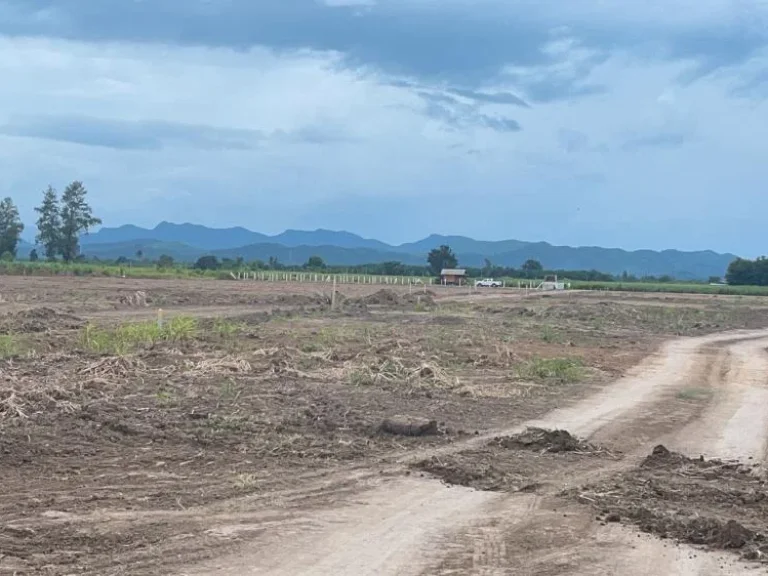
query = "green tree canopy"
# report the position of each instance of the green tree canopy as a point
(743, 272)
(532, 266)
(76, 218)
(315, 263)
(207, 263)
(11, 228)
(49, 224)
(440, 258)
(164, 262)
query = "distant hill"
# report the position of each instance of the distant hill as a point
(224, 238)
(191, 234)
(187, 242)
(462, 244)
(150, 248)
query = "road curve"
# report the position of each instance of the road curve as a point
(409, 527)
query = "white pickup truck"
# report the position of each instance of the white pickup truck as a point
(487, 283)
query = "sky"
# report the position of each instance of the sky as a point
(614, 123)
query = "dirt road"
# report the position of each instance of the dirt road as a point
(406, 525)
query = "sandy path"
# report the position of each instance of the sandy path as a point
(736, 422)
(404, 526)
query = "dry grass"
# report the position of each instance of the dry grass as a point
(215, 366)
(395, 372)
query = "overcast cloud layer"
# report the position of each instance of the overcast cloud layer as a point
(630, 124)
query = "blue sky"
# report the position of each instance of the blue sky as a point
(581, 122)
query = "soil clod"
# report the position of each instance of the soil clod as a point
(404, 426)
(721, 505)
(542, 440)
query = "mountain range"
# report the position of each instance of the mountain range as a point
(187, 242)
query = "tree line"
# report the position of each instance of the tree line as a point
(60, 223)
(743, 272)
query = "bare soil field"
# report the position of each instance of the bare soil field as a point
(253, 429)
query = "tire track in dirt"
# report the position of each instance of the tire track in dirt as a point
(735, 424)
(404, 526)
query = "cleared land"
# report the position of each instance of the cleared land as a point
(243, 434)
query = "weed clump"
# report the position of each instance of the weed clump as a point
(127, 338)
(557, 370)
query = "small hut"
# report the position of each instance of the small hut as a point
(453, 276)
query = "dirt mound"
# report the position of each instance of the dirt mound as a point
(352, 306)
(384, 297)
(458, 472)
(38, 320)
(387, 298)
(404, 426)
(721, 505)
(418, 299)
(135, 299)
(541, 440)
(512, 463)
(302, 299)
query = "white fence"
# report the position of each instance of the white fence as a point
(311, 277)
(330, 278)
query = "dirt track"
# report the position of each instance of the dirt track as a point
(419, 526)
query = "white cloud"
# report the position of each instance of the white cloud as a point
(611, 142)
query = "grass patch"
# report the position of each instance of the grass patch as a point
(694, 394)
(9, 346)
(550, 335)
(672, 288)
(560, 370)
(227, 328)
(127, 338)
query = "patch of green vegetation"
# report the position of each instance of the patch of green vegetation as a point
(361, 377)
(673, 288)
(127, 338)
(310, 347)
(225, 328)
(694, 394)
(550, 335)
(164, 396)
(560, 370)
(229, 391)
(9, 346)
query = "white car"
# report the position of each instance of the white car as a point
(488, 283)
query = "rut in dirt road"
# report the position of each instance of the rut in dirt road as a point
(417, 526)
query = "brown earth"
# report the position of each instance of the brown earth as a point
(201, 449)
(723, 505)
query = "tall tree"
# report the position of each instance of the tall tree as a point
(49, 224)
(207, 263)
(532, 268)
(10, 228)
(742, 272)
(440, 258)
(76, 218)
(165, 261)
(315, 263)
